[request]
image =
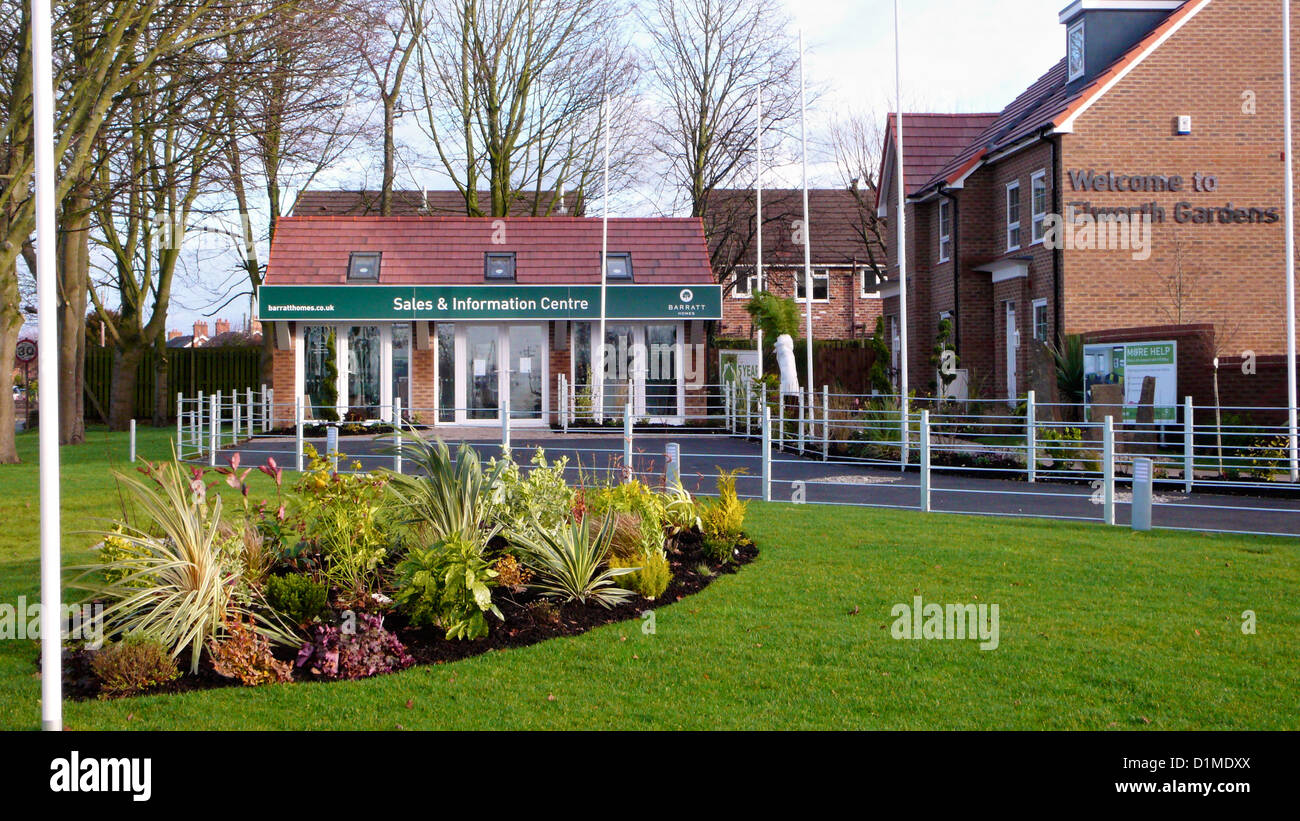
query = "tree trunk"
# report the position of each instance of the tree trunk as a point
(74, 280)
(121, 396)
(162, 392)
(11, 323)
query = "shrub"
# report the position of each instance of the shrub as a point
(680, 511)
(341, 517)
(449, 585)
(722, 520)
(132, 665)
(626, 541)
(244, 654)
(569, 563)
(298, 597)
(512, 574)
(247, 545)
(636, 499)
(452, 498)
(650, 577)
(123, 559)
(359, 649)
(177, 587)
(542, 494)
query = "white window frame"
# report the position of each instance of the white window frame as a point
(1037, 219)
(1013, 227)
(864, 274)
(817, 273)
(1033, 319)
(750, 279)
(945, 237)
(1069, 36)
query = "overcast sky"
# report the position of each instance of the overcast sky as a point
(958, 55)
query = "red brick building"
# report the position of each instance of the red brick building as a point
(1132, 192)
(844, 249)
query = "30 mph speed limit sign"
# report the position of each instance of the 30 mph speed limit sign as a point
(26, 350)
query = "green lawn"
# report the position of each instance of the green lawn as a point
(1100, 628)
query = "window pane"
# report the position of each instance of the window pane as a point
(527, 370)
(364, 355)
(446, 372)
(402, 367)
(481, 372)
(320, 370)
(661, 375)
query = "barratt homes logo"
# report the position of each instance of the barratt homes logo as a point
(946, 621)
(686, 295)
(124, 775)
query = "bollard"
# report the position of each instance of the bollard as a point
(627, 442)
(803, 416)
(505, 429)
(905, 442)
(332, 446)
(268, 418)
(780, 420)
(248, 423)
(1143, 474)
(214, 425)
(766, 433)
(1031, 439)
(672, 464)
(397, 434)
(131, 426)
(749, 406)
(826, 423)
(1108, 470)
(297, 432)
(925, 461)
(1189, 445)
(180, 415)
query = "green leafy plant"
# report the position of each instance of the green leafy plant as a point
(329, 384)
(878, 376)
(650, 577)
(569, 563)
(244, 654)
(132, 665)
(517, 498)
(681, 514)
(177, 587)
(449, 585)
(1067, 360)
(452, 498)
(942, 346)
(774, 315)
(638, 500)
(723, 519)
(298, 597)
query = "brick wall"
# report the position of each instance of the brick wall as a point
(282, 382)
(846, 315)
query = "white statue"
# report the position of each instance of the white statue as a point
(785, 361)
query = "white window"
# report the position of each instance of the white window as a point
(869, 286)
(1038, 204)
(821, 283)
(1075, 49)
(744, 285)
(1040, 320)
(1013, 215)
(945, 230)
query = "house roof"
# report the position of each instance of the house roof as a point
(836, 217)
(930, 141)
(415, 203)
(1051, 102)
(450, 250)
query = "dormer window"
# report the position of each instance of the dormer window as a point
(618, 266)
(363, 266)
(499, 266)
(1075, 50)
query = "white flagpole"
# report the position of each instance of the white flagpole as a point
(807, 229)
(901, 216)
(758, 213)
(43, 132)
(599, 376)
(1290, 246)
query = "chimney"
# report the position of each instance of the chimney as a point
(200, 329)
(223, 326)
(172, 335)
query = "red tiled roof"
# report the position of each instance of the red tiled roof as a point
(413, 204)
(449, 250)
(930, 142)
(836, 217)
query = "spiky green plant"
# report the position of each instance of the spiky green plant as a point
(177, 586)
(570, 564)
(447, 498)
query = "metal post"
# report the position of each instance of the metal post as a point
(1189, 445)
(627, 441)
(214, 425)
(266, 408)
(248, 424)
(925, 461)
(505, 427)
(1108, 470)
(297, 432)
(749, 406)
(199, 407)
(180, 413)
(906, 442)
(1031, 438)
(235, 419)
(672, 464)
(131, 427)
(562, 402)
(766, 434)
(397, 434)
(780, 420)
(803, 416)
(826, 422)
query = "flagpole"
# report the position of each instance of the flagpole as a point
(599, 376)
(1292, 445)
(901, 216)
(807, 229)
(758, 214)
(47, 369)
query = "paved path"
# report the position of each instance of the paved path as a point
(834, 482)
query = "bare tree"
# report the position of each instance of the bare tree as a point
(394, 29)
(510, 95)
(857, 140)
(709, 59)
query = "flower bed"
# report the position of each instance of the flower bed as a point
(345, 576)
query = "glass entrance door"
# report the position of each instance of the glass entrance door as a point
(527, 345)
(482, 400)
(661, 371)
(365, 361)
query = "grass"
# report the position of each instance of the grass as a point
(1101, 628)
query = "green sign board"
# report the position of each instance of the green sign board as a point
(1128, 364)
(400, 303)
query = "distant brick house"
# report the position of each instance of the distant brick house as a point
(1161, 112)
(844, 252)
